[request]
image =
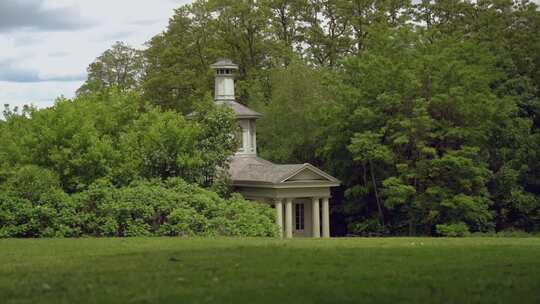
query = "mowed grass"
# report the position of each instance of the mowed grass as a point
(355, 270)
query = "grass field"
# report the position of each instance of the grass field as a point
(175, 270)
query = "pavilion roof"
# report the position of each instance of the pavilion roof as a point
(254, 169)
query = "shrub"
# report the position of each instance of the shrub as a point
(184, 221)
(172, 207)
(368, 227)
(239, 217)
(52, 216)
(15, 216)
(33, 205)
(453, 230)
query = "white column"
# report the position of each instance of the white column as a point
(288, 218)
(325, 218)
(315, 213)
(279, 215)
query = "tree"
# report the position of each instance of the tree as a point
(215, 143)
(120, 67)
(112, 135)
(178, 73)
(298, 100)
(366, 148)
(425, 115)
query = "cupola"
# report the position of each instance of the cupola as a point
(246, 117)
(224, 84)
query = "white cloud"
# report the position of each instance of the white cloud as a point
(37, 15)
(46, 56)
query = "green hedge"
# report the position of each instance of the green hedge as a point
(145, 208)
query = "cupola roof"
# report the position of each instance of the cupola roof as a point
(224, 64)
(241, 111)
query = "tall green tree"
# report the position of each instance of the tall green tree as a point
(120, 67)
(178, 59)
(298, 100)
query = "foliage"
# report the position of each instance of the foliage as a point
(172, 207)
(298, 99)
(30, 182)
(428, 139)
(33, 205)
(159, 145)
(75, 139)
(169, 208)
(119, 67)
(453, 230)
(115, 136)
(214, 143)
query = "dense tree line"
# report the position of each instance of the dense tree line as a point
(429, 113)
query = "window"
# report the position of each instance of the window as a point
(252, 136)
(299, 216)
(239, 139)
(245, 138)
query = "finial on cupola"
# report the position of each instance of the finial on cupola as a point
(224, 84)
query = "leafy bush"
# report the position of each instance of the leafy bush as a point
(453, 230)
(184, 221)
(238, 218)
(52, 216)
(367, 227)
(15, 216)
(172, 207)
(32, 204)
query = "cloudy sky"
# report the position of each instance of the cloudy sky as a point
(46, 45)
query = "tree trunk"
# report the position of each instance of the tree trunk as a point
(379, 207)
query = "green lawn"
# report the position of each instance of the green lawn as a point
(176, 270)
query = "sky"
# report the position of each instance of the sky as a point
(46, 45)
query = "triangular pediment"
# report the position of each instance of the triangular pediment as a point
(306, 174)
(309, 173)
